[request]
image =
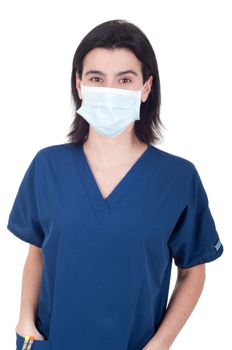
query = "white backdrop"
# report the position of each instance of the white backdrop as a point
(193, 48)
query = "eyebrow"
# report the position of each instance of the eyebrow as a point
(98, 72)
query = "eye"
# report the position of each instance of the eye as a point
(126, 80)
(95, 79)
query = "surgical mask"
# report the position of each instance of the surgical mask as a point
(109, 110)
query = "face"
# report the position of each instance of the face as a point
(115, 68)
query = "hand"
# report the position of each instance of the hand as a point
(29, 329)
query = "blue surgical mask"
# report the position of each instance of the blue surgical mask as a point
(109, 110)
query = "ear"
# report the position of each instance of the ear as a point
(78, 86)
(147, 89)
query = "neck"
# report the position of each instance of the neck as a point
(112, 152)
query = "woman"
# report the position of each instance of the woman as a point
(106, 213)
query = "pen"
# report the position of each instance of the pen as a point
(28, 341)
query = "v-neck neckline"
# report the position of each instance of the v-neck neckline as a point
(101, 205)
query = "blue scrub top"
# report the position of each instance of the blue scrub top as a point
(107, 261)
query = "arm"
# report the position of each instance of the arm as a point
(29, 293)
(185, 295)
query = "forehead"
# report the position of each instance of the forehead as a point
(111, 60)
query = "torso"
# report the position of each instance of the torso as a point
(109, 260)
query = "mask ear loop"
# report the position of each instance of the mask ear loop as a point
(141, 91)
(82, 86)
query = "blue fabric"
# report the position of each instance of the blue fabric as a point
(36, 345)
(107, 262)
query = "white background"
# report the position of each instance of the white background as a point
(192, 43)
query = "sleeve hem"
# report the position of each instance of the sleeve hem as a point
(20, 235)
(202, 260)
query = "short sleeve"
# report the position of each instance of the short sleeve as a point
(23, 219)
(194, 239)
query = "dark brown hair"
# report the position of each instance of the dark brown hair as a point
(120, 34)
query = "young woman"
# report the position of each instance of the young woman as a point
(107, 212)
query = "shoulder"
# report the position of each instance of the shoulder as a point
(171, 162)
(56, 151)
(177, 171)
(53, 149)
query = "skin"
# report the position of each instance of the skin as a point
(115, 157)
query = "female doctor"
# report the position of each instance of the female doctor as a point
(108, 212)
